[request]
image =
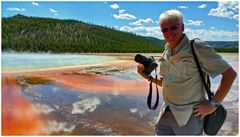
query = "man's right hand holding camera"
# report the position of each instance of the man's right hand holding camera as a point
(140, 69)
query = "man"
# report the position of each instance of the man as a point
(183, 92)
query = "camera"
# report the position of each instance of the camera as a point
(149, 63)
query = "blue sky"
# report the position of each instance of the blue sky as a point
(208, 20)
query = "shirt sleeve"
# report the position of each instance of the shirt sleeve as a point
(212, 63)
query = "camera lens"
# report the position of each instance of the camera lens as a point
(141, 59)
(148, 63)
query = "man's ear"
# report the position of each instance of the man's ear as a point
(182, 27)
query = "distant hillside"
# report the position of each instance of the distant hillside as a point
(22, 33)
(34, 34)
(224, 46)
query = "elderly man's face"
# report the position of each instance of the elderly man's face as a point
(172, 32)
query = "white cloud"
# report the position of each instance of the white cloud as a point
(126, 28)
(89, 104)
(114, 6)
(195, 23)
(182, 7)
(35, 3)
(212, 34)
(133, 110)
(121, 11)
(16, 9)
(56, 14)
(52, 126)
(123, 15)
(212, 27)
(226, 9)
(144, 31)
(126, 16)
(56, 106)
(53, 10)
(202, 6)
(204, 34)
(236, 17)
(44, 108)
(141, 21)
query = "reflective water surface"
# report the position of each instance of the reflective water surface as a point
(96, 100)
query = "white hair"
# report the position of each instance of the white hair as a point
(171, 15)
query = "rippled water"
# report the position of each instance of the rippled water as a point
(69, 111)
(93, 113)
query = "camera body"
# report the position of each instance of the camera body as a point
(149, 63)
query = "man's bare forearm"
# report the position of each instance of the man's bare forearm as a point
(227, 79)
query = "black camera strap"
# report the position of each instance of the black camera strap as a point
(207, 84)
(149, 99)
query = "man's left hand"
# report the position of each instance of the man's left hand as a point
(202, 109)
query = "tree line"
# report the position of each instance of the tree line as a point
(35, 34)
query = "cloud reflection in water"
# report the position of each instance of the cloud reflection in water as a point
(89, 104)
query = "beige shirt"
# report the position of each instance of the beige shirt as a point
(182, 86)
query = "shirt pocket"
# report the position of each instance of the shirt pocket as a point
(186, 69)
(164, 68)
